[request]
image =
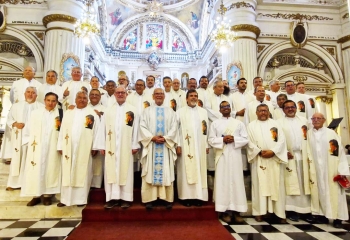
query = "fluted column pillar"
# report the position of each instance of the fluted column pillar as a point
(59, 37)
(244, 50)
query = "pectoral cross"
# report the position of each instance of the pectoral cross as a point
(188, 139)
(66, 138)
(16, 133)
(34, 144)
(110, 135)
(67, 104)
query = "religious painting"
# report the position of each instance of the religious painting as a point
(68, 61)
(173, 104)
(334, 147)
(234, 72)
(146, 104)
(57, 123)
(178, 44)
(301, 106)
(304, 131)
(89, 121)
(130, 41)
(191, 17)
(116, 14)
(204, 127)
(274, 134)
(312, 102)
(299, 33)
(129, 118)
(154, 36)
(184, 79)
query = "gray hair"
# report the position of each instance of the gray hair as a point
(53, 71)
(81, 92)
(273, 82)
(77, 67)
(216, 83)
(31, 87)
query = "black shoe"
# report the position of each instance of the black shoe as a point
(186, 203)
(337, 223)
(308, 218)
(293, 216)
(149, 206)
(111, 204)
(125, 205)
(198, 203)
(168, 205)
(322, 220)
(34, 202)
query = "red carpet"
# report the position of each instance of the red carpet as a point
(152, 230)
(136, 223)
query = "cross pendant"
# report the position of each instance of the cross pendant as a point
(16, 133)
(110, 135)
(188, 139)
(34, 144)
(66, 138)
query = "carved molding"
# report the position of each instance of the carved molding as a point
(300, 78)
(40, 35)
(9, 79)
(344, 39)
(240, 5)
(260, 48)
(289, 59)
(58, 18)
(295, 16)
(16, 48)
(14, 2)
(246, 27)
(325, 99)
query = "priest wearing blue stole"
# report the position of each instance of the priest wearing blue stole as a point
(158, 135)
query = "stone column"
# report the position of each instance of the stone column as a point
(59, 37)
(339, 109)
(244, 49)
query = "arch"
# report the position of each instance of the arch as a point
(13, 65)
(273, 49)
(131, 22)
(31, 42)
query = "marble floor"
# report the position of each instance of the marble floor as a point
(59, 229)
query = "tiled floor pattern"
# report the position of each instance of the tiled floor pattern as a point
(59, 229)
(270, 229)
(30, 229)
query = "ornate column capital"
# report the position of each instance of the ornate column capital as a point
(324, 99)
(58, 18)
(246, 27)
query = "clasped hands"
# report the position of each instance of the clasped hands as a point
(266, 153)
(228, 139)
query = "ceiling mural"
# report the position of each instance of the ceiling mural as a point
(191, 17)
(116, 14)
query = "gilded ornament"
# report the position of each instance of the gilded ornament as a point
(241, 5)
(295, 16)
(344, 39)
(319, 65)
(246, 27)
(346, 15)
(260, 48)
(300, 78)
(40, 35)
(325, 99)
(58, 18)
(331, 50)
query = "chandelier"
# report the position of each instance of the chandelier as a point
(222, 35)
(87, 25)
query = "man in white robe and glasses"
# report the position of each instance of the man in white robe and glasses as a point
(327, 160)
(158, 135)
(267, 153)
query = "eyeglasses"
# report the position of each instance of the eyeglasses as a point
(120, 93)
(317, 119)
(226, 106)
(289, 108)
(75, 72)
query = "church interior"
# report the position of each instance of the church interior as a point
(305, 41)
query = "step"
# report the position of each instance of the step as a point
(96, 212)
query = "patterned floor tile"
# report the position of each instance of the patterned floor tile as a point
(265, 228)
(243, 229)
(324, 236)
(58, 232)
(11, 232)
(286, 228)
(276, 236)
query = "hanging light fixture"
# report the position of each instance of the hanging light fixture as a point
(222, 35)
(87, 25)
